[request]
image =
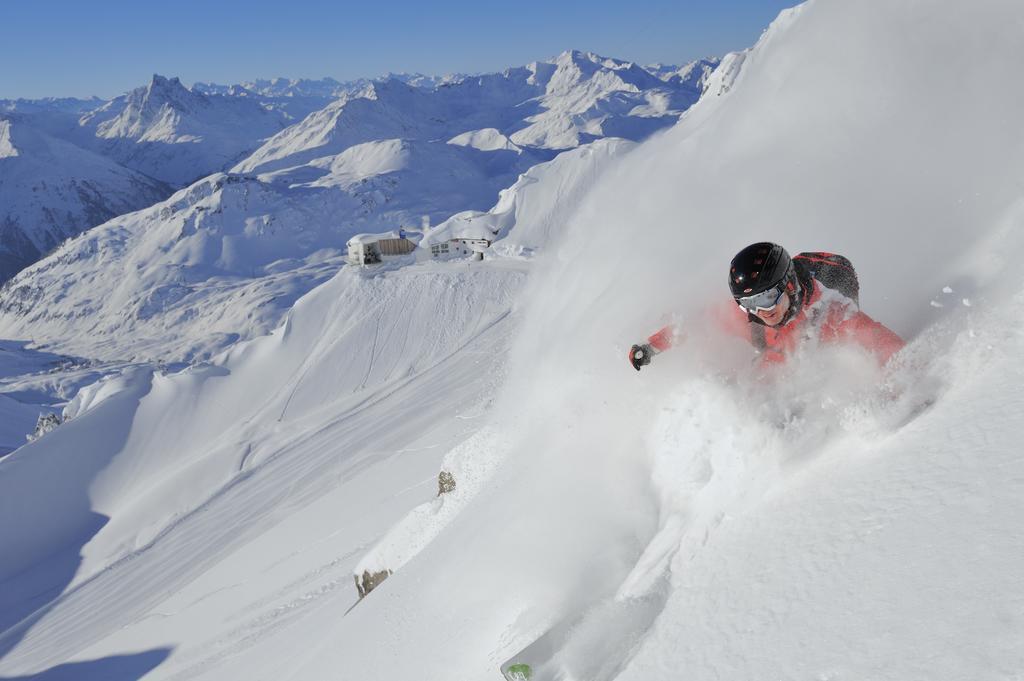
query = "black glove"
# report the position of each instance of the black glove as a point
(640, 355)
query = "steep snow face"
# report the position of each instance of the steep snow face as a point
(177, 135)
(51, 190)
(555, 105)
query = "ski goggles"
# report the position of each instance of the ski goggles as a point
(765, 301)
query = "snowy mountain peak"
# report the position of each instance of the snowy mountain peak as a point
(387, 87)
(170, 92)
(159, 105)
(576, 60)
(577, 57)
(574, 67)
(591, 61)
(162, 84)
(178, 135)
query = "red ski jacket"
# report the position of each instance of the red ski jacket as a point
(826, 315)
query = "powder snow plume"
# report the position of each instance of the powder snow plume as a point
(839, 133)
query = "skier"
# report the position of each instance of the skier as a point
(782, 300)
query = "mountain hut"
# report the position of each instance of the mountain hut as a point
(367, 249)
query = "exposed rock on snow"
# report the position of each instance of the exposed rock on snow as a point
(445, 483)
(366, 582)
(44, 424)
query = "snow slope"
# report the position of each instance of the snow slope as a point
(51, 190)
(298, 413)
(829, 519)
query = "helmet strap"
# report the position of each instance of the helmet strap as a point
(795, 294)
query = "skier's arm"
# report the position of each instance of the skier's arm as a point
(873, 336)
(640, 354)
(726, 317)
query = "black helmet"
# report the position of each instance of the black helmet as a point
(758, 267)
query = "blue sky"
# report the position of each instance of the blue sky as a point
(76, 49)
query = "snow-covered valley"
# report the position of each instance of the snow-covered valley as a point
(253, 426)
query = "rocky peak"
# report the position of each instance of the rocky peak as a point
(170, 92)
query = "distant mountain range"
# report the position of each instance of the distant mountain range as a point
(574, 99)
(310, 163)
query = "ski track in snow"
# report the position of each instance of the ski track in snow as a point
(296, 463)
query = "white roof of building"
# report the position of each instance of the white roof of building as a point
(380, 236)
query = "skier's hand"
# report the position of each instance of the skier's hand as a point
(640, 355)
